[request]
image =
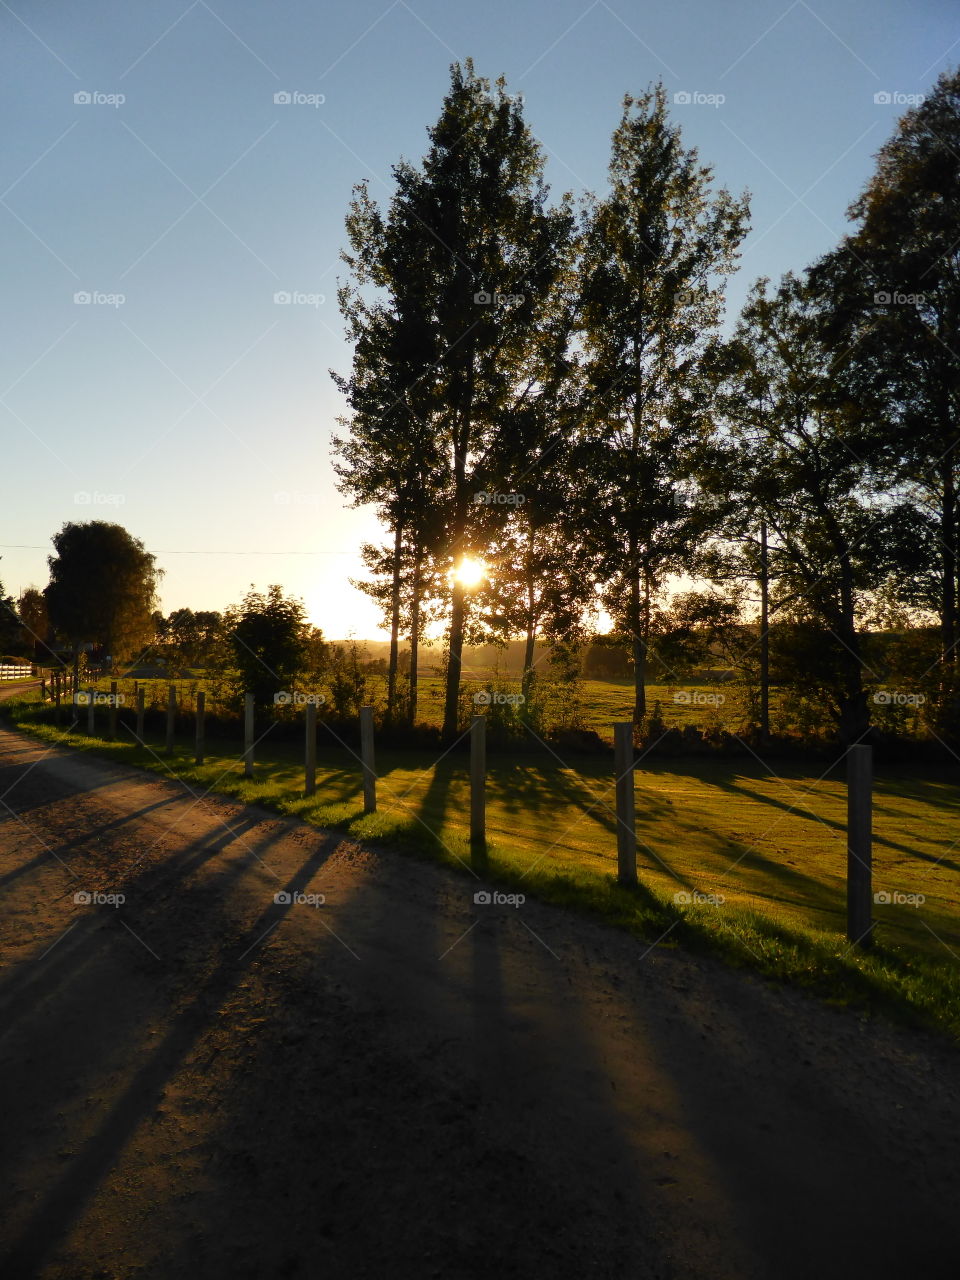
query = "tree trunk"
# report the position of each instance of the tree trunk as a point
(394, 623)
(414, 636)
(764, 636)
(854, 716)
(458, 610)
(948, 542)
(526, 682)
(639, 642)
(451, 706)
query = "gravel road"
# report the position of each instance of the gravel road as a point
(398, 1082)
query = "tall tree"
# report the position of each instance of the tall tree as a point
(894, 292)
(390, 457)
(800, 466)
(656, 251)
(102, 589)
(468, 255)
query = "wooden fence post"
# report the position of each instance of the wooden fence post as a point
(201, 709)
(140, 713)
(310, 751)
(366, 756)
(56, 699)
(91, 724)
(478, 785)
(859, 845)
(248, 709)
(112, 714)
(626, 810)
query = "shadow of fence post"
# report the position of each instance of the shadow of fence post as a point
(859, 846)
(626, 812)
(478, 787)
(366, 756)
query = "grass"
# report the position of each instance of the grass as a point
(603, 702)
(772, 846)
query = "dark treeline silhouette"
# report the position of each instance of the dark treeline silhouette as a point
(549, 421)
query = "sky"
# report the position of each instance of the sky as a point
(174, 182)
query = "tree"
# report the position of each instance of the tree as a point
(530, 515)
(35, 618)
(269, 642)
(102, 588)
(467, 255)
(893, 293)
(390, 457)
(192, 635)
(11, 631)
(801, 468)
(656, 250)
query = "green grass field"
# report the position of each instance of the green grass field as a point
(602, 702)
(769, 847)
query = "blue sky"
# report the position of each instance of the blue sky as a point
(197, 411)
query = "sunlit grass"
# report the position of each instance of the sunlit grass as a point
(771, 845)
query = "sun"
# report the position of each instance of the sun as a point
(470, 572)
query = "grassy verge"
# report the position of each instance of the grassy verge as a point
(772, 847)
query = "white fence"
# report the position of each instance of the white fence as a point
(8, 672)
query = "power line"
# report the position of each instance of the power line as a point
(25, 546)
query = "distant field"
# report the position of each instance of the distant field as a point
(602, 702)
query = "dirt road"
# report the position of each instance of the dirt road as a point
(200, 1081)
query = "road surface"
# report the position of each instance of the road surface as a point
(399, 1082)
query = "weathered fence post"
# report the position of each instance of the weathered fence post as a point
(43, 690)
(56, 699)
(112, 716)
(248, 735)
(91, 697)
(626, 810)
(859, 845)
(201, 709)
(478, 785)
(366, 756)
(140, 713)
(310, 751)
(171, 714)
